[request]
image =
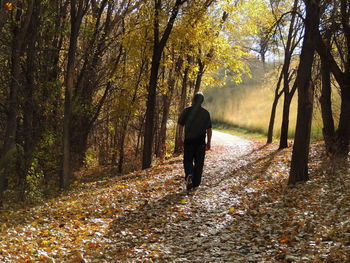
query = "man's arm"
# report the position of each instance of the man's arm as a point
(208, 145)
(180, 130)
(181, 126)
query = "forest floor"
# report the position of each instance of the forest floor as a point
(243, 212)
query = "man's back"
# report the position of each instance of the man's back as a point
(196, 121)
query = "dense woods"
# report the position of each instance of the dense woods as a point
(88, 82)
(322, 66)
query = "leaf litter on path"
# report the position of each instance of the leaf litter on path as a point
(242, 212)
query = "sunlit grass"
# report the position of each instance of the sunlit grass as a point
(248, 105)
(235, 130)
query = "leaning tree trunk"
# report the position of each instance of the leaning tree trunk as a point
(299, 164)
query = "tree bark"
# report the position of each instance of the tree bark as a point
(166, 108)
(342, 134)
(288, 93)
(77, 12)
(122, 147)
(343, 79)
(274, 108)
(326, 108)
(30, 136)
(179, 131)
(285, 122)
(200, 74)
(299, 164)
(158, 47)
(20, 31)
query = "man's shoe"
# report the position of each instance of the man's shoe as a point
(189, 183)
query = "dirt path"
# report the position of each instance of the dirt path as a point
(225, 139)
(188, 228)
(242, 212)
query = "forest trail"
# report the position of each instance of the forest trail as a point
(241, 146)
(242, 212)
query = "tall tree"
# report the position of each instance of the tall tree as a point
(158, 47)
(29, 116)
(182, 104)
(340, 71)
(106, 36)
(299, 165)
(278, 93)
(78, 9)
(326, 102)
(291, 44)
(22, 19)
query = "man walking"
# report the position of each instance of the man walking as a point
(197, 123)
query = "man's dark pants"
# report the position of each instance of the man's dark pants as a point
(194, 161)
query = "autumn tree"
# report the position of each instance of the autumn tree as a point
(22, 17)
(335, 60)
(293, 39)
(289, 43)
(159, 42)
(299, 164)
(77, 11)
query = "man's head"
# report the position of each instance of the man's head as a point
(198, 98)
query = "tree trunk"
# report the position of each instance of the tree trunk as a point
(285, 122)
(78, 140)
(182, 105)
(77, 13)
(9, 146)
(299, 164)
(273, 110)
(156, 128)
(158, 48)
(163, 125)
(165, 116)
(344, 120)
(200, 74)
(166, 107)
(326, 108)
(122, 147)
(343, 79)
(150, 111)
(342, 134)
(288, 93)
(30, 136)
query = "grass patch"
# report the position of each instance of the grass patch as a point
(248, 105)
(239, 131)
